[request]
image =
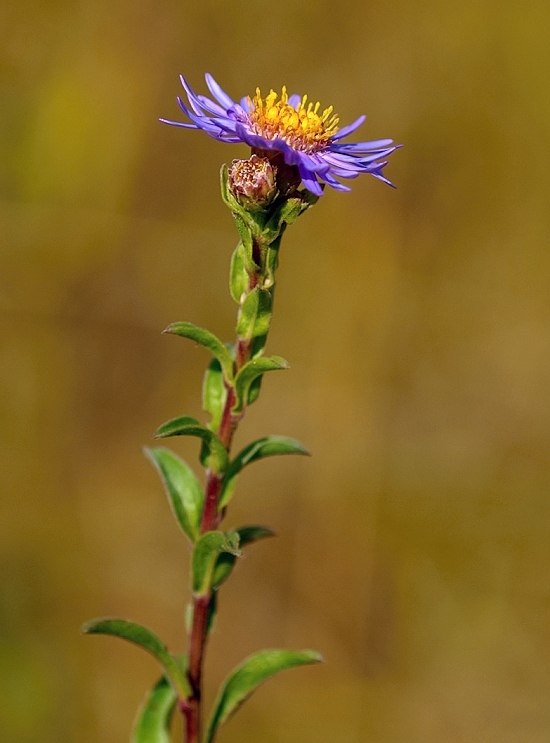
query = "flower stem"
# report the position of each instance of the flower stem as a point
(211, 518)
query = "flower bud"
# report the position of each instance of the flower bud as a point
(253, 181)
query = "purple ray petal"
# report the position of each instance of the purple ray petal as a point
(345, 173)
(338, 162)
(341, 133)
(226, 124)
(314, 163)
(334, 183)
(210, 106)
(378, 174)
(294, 100)
(310, 181)
(191, 96)
(217, 92)
(179, 123)
(245, 103)
(362, 146)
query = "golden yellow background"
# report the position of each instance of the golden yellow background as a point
(413, 547)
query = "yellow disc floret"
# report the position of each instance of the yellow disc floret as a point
(303, 128)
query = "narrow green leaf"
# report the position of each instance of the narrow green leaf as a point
(248, 676)
(212, 611)
(264, 447)
(291, 210)
(208, 340)
(255, 314)
(174, 427)
(251, 371)
(225, 561)
(144, 638)
(153, 721)
(267, 446)
(288, 211)
(214, 394)
(182, 488)
(238, 275)
(251, 534)
(272, 262)
(254, 390)
(205, 554)
(223, 568)
(188, 426)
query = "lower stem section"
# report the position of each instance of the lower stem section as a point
(197, 646)
(211, 517)
(191, 713)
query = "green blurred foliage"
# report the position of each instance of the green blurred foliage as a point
(413, 547)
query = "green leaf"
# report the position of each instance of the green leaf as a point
(239, 279)
(182, 488)
(251, 534)
(174, 427)
(245, 234)
(288, 212)
(255, 314)
(214, 394)
(205, 554)
(264, 447)
(291, 210)
(212, 610)
(144, 638)
(248, 676)
(225, 561)
(254, 390)
(251, 371)
(153, 721)
(185, 425)
(208, 340)
(272, 263)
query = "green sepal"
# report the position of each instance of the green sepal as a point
(182, 488)
(255, 316)
(208, 340)
(227, 196)
(205, 554)
(267, 446)
(144, 638)
(248, 676)
(214, 394)
(152, 724)
(238, 275)
(226, 561)
(213, 454)
(251, 371)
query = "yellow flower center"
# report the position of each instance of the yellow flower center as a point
(303, 128)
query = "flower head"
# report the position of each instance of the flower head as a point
(307, 139)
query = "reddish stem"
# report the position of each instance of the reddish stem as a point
(211, 517)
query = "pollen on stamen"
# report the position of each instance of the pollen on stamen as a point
(302, 127)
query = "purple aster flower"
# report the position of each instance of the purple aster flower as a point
(308, 140)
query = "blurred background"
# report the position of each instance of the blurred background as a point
(413, 547)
